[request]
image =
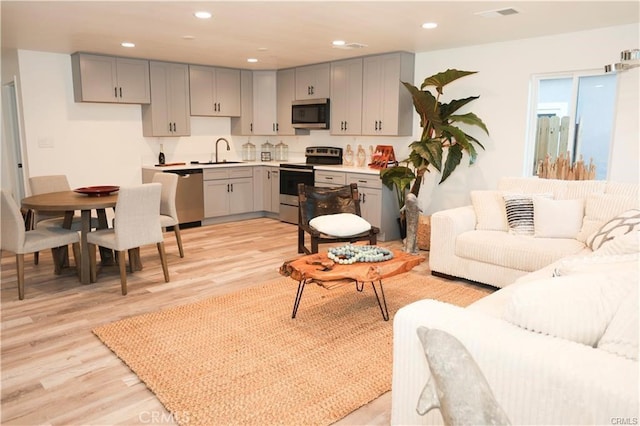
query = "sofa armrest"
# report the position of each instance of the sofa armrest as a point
(537, 379)
(446, 225)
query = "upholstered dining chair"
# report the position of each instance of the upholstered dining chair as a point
(53, 183)
(136, 223)
(16, 239)
(168, 211)
(331, 215)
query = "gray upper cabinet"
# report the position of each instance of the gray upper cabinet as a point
(243, 125)
(346, 97)
(313, 81)
(258, 99)
(214, 91)
(387, 108)
(286, 82)
(98, 78)
(168, 113)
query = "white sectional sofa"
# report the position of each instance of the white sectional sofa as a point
(474, 241)
(558, 342)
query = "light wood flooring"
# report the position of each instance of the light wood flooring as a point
(56, 372)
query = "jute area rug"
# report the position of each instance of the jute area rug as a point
(241, 359)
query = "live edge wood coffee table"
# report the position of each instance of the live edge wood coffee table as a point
(320, 269)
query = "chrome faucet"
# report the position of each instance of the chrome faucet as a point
(228, 148)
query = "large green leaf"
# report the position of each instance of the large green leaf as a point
(443, 78)
(469, 118)
(447, 109)
(430, 150)
(453, 160)
(425, 104)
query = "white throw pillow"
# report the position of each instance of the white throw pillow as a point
(621, 336)
(622, 224)
(622, 244)
(557, 218)
(340, 224)
(575, 307)
(519, 209)
(490, 211)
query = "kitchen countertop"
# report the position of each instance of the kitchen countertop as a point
(334, 168)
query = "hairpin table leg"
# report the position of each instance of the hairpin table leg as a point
(384, 310)
(296, 304)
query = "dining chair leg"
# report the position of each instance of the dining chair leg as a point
(176, 230)
(132, 259)
(122, 263)
(92, 263)
(20, 271)
(163, 260)
(77, 257)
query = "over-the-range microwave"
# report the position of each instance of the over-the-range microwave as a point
(310, 114)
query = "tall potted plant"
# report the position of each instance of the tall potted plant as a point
(440, 134)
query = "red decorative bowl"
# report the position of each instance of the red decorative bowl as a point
(97, 191)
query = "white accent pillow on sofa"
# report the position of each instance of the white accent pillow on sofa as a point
(622, 244)
(557, 218)
(574, 307)
(490, 211)
(340, 224)
(623, 223)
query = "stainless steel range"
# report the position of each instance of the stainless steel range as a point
(293, 174)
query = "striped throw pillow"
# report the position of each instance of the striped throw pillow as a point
(519, 209)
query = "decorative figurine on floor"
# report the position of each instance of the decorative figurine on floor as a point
(412, 215)
(456, 386)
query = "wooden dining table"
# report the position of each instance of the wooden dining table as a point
(69, 202)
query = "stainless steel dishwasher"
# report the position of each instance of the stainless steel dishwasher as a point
(189, 197)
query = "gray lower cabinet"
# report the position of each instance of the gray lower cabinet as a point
(228, 191)
(168, 113)
(266, 189)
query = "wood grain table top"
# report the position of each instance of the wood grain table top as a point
(319, 267)
(68, 200)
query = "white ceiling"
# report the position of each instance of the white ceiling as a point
(287, 34)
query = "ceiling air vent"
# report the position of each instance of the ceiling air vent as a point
(498, 12)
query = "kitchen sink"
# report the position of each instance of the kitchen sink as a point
(213, 163)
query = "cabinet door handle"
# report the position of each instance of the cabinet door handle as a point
(345, 125)
(231, 187)
(115, 92)
(273, 126)
(121, 92)
(227, 187)
(268, 174)
(380, 126)
(174, 126)
(364, 198)
(169, 126)
(277, 127)
(362, 181)
(376, 126)
(342, 125)
(328, 178)
(251, 127)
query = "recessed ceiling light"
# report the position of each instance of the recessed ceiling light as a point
(127, 44)
(339, 43)
(262, 49)
(252, 60)
(188, 37)
(429, 25)
(202, 15)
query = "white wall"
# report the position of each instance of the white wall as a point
(97, 144)
(502, 82)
